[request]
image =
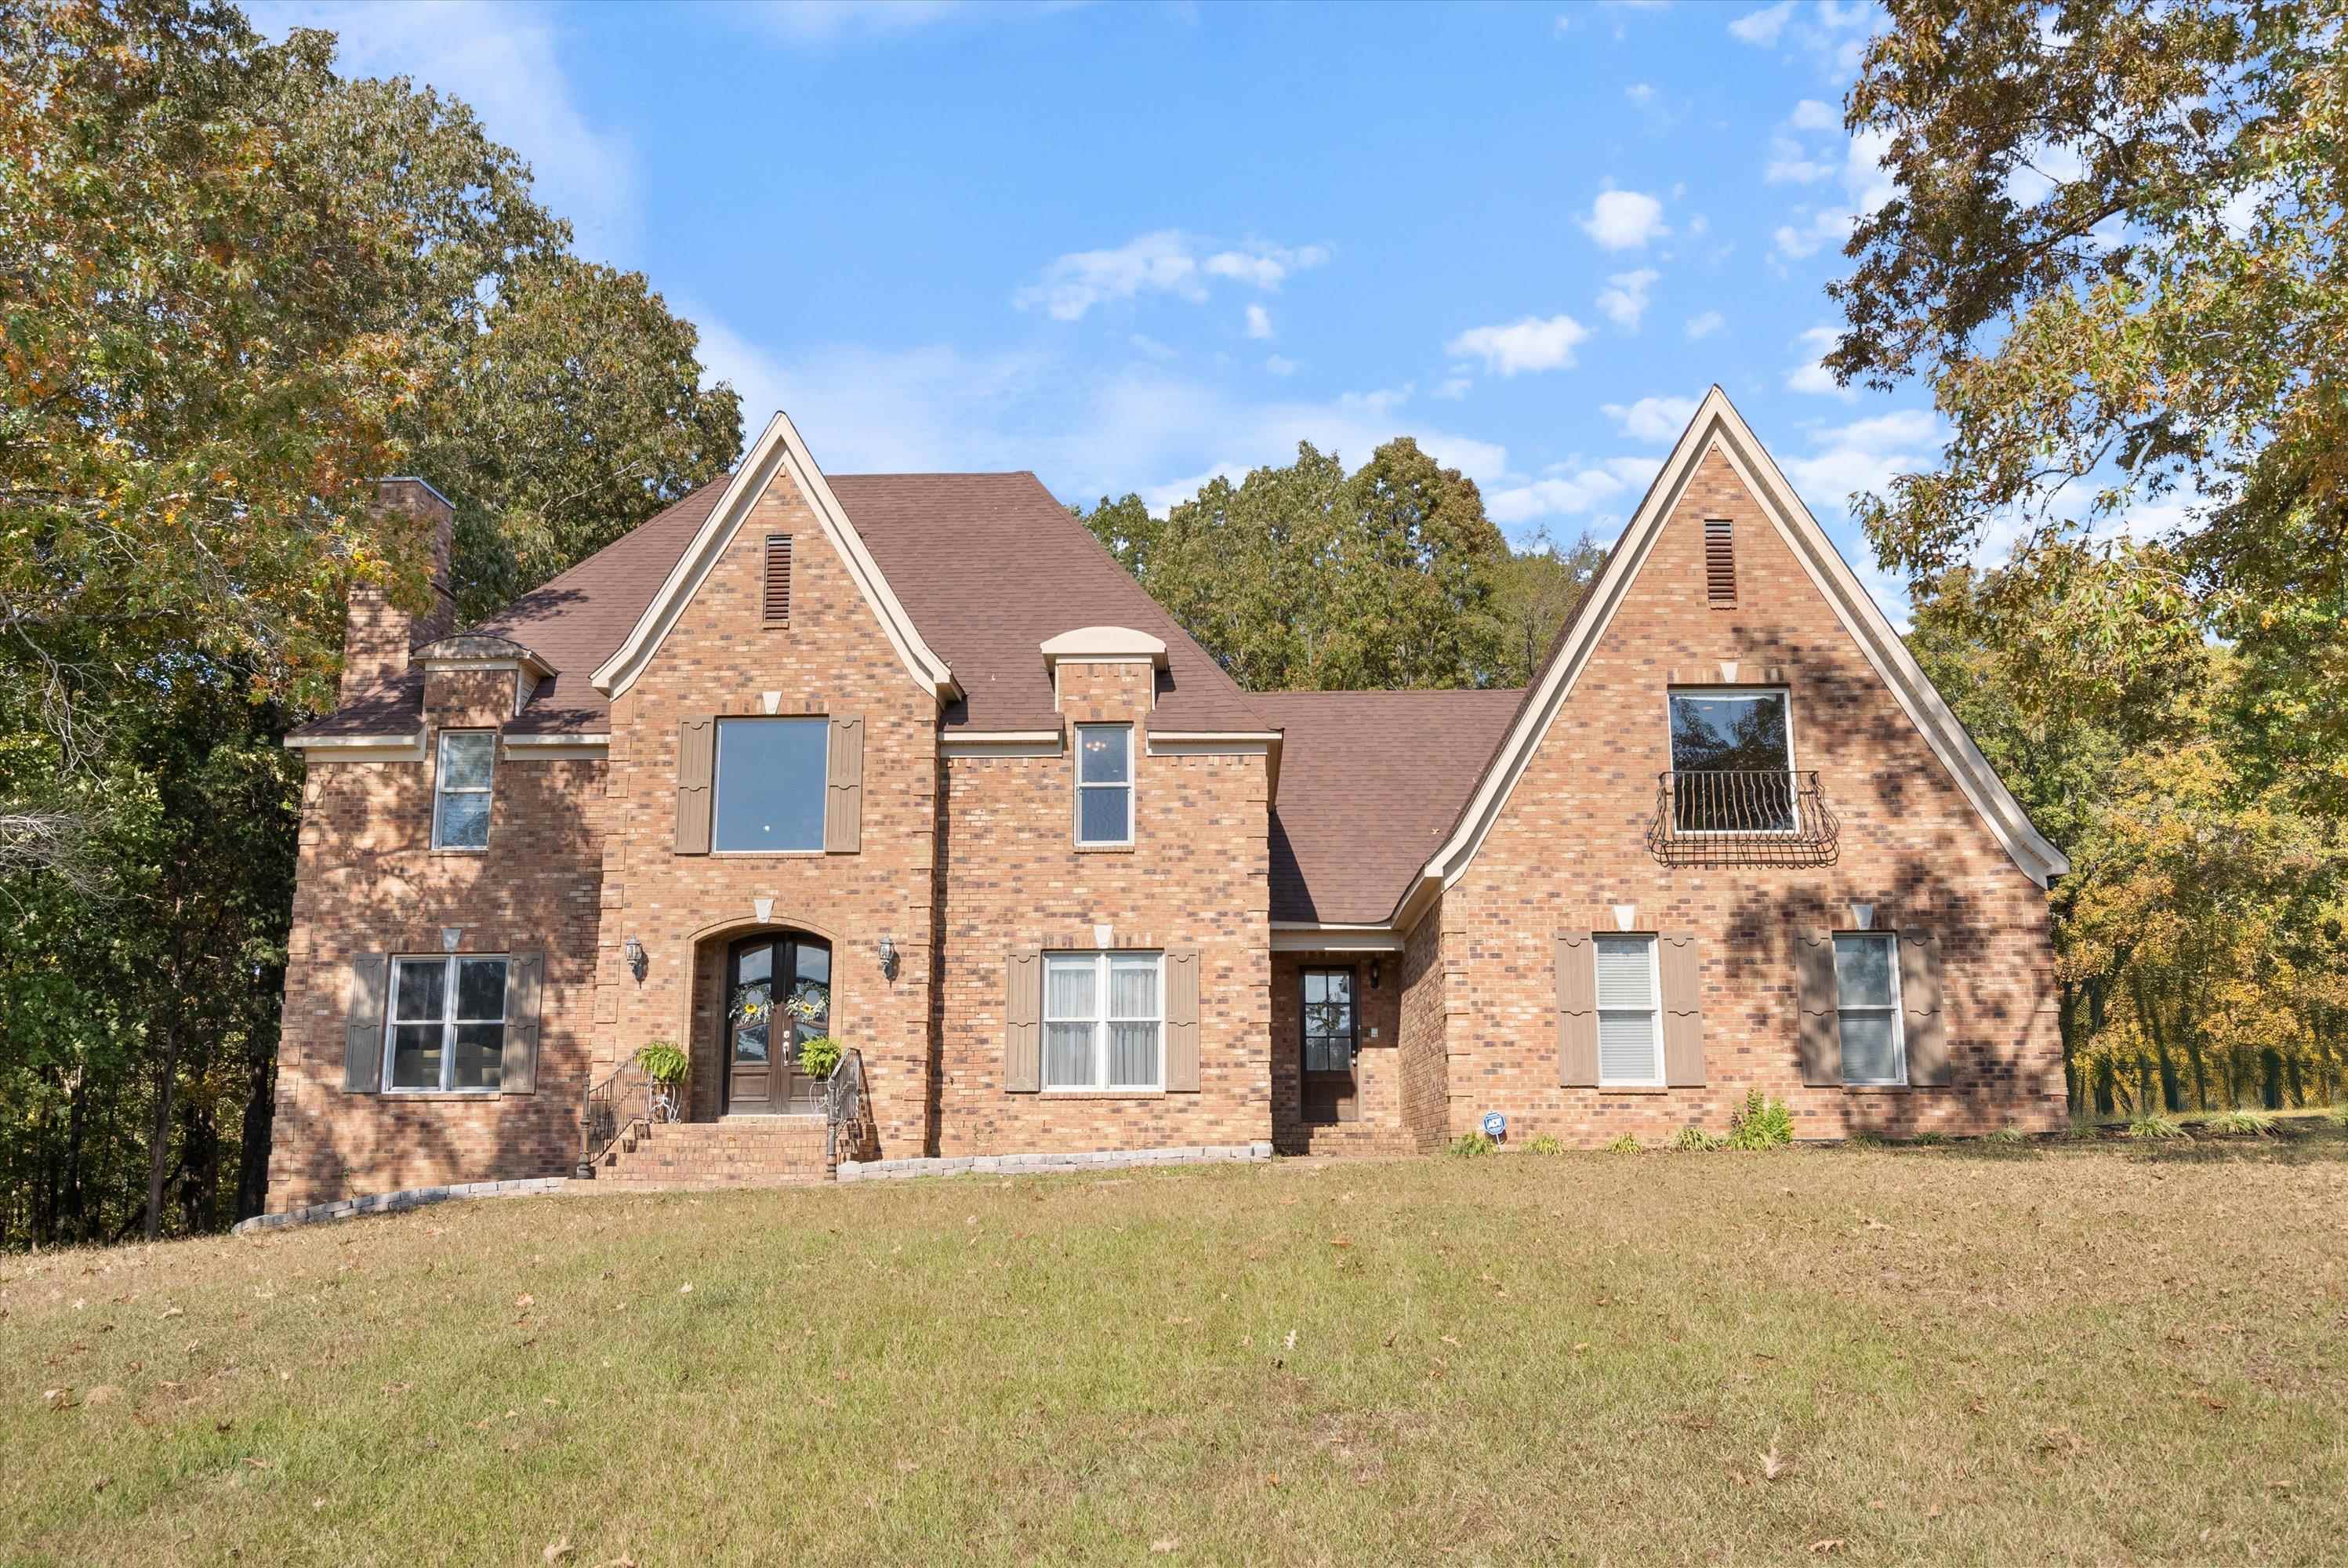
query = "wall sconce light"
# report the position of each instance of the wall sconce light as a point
(634, 952)
(1374, 974)
(888, 956)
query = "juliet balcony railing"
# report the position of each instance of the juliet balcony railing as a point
(1742, 817)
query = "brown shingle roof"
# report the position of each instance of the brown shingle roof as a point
(1370, 781)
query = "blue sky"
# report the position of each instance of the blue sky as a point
(1131, 246)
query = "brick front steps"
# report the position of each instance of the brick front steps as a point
(1349, 1141)
(739, 1151)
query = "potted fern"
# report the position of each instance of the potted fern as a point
(666, 1065)
(819, 1056)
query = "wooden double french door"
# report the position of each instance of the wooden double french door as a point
(779, 994)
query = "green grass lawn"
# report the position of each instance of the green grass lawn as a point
(2079, 1354)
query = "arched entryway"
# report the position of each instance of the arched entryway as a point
(778, 994)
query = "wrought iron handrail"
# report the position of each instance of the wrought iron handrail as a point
(847, 1104)
(1742, 817)
(600, 1112)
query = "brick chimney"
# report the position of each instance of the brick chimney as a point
(377, 633)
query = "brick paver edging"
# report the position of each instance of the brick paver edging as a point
(1013, 1164)
(394, 1202)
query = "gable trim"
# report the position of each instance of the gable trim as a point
(778, 450)
(1719, 426)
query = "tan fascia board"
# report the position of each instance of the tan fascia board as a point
(1717, 424)
(1002, 743)
(1305, 936)
(557, 748)
(778, 450)
(358, 747)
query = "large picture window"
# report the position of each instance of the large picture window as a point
(1866, 1001)
(460, 788)
(447, 1026)
(769, 784)
(1104, 1021)
(1732, 761)
(1104, 784)
(1630, 1036)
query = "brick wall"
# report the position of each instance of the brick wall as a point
(1568, 845)
(1424, 1062)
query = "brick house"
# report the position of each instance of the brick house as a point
(909, 762)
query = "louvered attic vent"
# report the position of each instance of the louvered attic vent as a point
(776, 607)
(1719, 562)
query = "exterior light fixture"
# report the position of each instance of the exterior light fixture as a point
(634, 952)
(1374, 974)
(888, 956)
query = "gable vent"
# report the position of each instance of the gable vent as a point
(1719, 562)
(774, 608)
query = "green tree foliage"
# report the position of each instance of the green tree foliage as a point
(1307, 577)
(237, 288)
(2114, 251)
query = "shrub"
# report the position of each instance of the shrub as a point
(2007, 1137)
(1696, 1140)
(2250, 1121)
(1472, 1146)
(1862, 1138)
(2085, 1129)
(662, 1062)
(1544, 1143)
(1622, 1143)
(1761, 1123)
(819, 1056)
(2340, 1113)
(1928, 1139)
(2152, 1124)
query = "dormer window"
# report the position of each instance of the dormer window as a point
(460, 788)
(1105, 784)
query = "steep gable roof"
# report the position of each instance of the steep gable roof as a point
(1717, 426)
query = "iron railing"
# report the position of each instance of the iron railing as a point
(1742, 817)
(609, 1109)
(849, 1131)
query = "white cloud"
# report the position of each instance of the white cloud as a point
(1378, 405)
(1258, 322)
(502, 62)
(1570, 489)
(815, 23)
(1790, 163)
(1810, 114)
(1902, 427)
(1864, 455)
(1624, 298)
(1280, 364)
(1531, 344)
(1152, 347)
(1827, 226)
(1451, 388)
(1640, 93)
(1810, 374)
(1624, 220)
(1166, 261)
(1704, 326)
(1652, 418)
(1762, 26)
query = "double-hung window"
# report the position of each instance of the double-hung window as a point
(769, 784)
(1104, 784)
(1866, 1002)
(460, 789)
(1630, 1033)
(447, 1024)
(1104, 1021)
(1732, 761)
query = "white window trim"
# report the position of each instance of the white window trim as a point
(717, 781)
(448, 1020)
(1654, 1010)
(1101, 1018)
(441, 789)
(1899, 1018)
(1077, 753)
(1793, 775)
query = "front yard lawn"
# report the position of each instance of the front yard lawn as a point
(2077, 1354)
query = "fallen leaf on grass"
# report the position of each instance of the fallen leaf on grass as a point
(907, 1467)
(1828, 1547)
(525, 1300)
(1580, 1346)
(1448, 1340)
(1341, 1241)
(58, 1398)
(556, 1550)
(685, 1290)
(1164, 1544)
(252, 1463)
(1773, 1468)
(169, 1312)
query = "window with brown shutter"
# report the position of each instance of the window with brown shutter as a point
(775, 605)
(1720, 562)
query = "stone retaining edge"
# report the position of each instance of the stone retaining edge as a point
(397, 1203)
(1016, 1164)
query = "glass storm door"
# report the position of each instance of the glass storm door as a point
(779, 991)
(1330, 1093)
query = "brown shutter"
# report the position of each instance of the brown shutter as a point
(775, 605)
(697, 761)
(1577, 1010)
(1182, 1022)
(518, 1073)
(1023, 1023)
(843, 807)
(1928, 1063)
(1680, 967)
(1820, 1026)
(363, 1024)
